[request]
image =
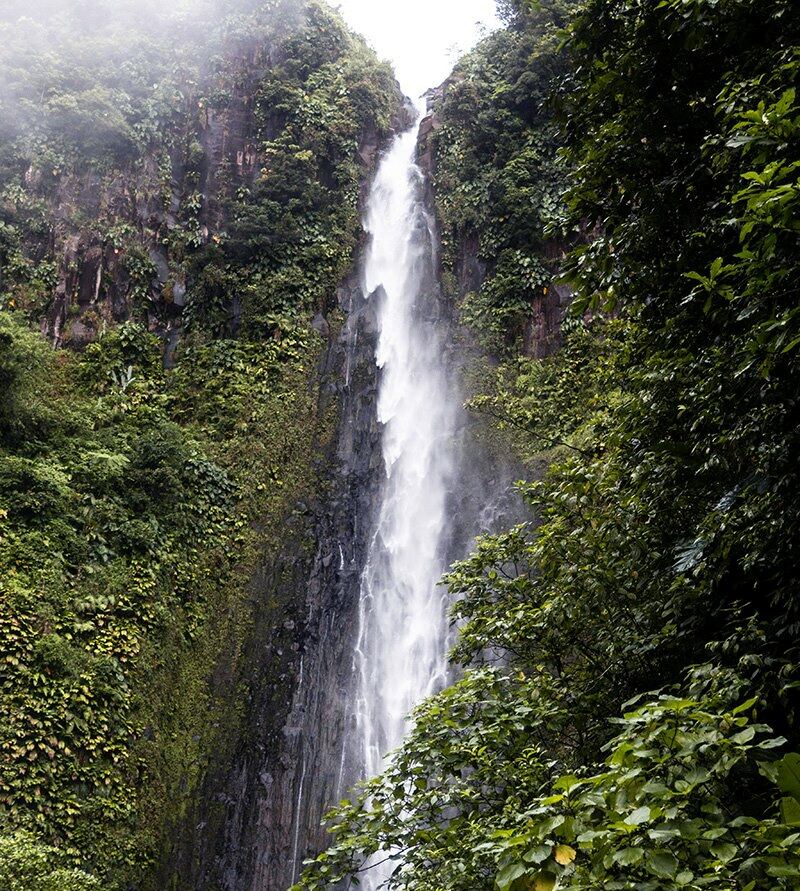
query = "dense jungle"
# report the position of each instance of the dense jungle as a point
(192, 482)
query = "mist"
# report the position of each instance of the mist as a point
(422, 40)
(101, 76)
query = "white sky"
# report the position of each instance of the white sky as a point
(422, 38)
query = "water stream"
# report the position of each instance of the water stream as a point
(367, 634)
(403, 629)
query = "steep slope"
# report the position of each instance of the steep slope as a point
(489, 145)
(409, 487)
(190, 169)
(166, 182)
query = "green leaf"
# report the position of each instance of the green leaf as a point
(789, 774)
(508, 875)
(662, 864)
(787, 872)
(790, 811)
(629, 856)
(566, 783)
(639, 816)
(723, 851)
(775, 743)
(538, 854)
(745, 706)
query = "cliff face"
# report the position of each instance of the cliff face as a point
(466, 267)
(212, 223)
(261, 810)
(200, 193)
(222, 225)
(151, 213)
(495, 183)
(155, 223)
(117, 233)
(259, 815)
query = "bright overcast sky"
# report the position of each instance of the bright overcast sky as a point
(422, 38)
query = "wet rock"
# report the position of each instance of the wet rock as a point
(158, 257)
(321, 326)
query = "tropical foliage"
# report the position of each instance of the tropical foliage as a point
(497, 177)
(127, 502)
(136, 500)
(628, 711)
(626, 708)
(200, 162)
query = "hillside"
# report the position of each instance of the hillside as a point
(627, 713)
(179, 198)
(267, 370)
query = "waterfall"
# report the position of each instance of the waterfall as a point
(403, 628)
(366, 633)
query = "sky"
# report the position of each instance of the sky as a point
(422, 38)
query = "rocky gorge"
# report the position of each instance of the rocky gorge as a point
(398, 495)
(261, 813)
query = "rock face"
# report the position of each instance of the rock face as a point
(542, 335)
(120, 241)
(99, 279)
(259, 815)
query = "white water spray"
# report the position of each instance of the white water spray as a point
(403, 634)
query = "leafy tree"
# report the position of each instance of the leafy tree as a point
(26, 865)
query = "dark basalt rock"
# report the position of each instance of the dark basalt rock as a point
(260, 816)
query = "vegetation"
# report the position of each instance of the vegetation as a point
(136, 501)
(498, 178)
(628, 711)
(179, 168)
(127, 537)
(30, 866)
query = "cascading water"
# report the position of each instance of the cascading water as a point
(402, 643)
(367, 634)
